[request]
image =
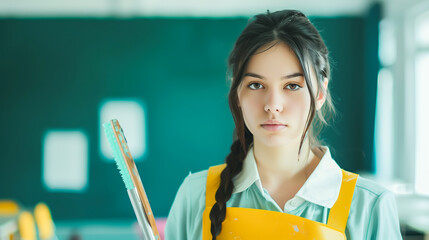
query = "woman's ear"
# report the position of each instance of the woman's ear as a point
(321, 98)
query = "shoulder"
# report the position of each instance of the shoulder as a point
(193, 188)
(373, 213)
(367, 185)
(192, 191)
(370, 193)
(196, 181)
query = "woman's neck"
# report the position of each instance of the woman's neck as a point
(277, 165)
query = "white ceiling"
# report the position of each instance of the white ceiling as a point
(198, 8)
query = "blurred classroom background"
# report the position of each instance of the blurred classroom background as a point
(160, 68)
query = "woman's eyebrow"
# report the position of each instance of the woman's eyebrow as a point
(250, 74)
(298, 74)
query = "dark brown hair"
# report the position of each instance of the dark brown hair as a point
(295, 30)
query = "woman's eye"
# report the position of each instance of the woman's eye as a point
(255, 86)
(293, 87)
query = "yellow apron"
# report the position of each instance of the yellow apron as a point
(247, 223)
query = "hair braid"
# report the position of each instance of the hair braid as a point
(234, 165)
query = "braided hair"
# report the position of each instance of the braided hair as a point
(295, 30)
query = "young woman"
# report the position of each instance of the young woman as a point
(278, 182)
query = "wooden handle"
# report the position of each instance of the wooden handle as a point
(135, 177)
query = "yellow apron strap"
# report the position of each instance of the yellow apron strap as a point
(213, 181)
(339, 213)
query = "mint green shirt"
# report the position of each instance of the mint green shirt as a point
(373, 212)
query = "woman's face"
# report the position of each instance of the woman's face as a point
(274, 98)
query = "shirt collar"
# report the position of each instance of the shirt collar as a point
(322, 186)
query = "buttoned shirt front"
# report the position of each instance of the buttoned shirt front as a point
(373, 213)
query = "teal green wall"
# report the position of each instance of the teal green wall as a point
(55, 72)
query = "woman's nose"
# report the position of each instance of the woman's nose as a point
(273, 102)
(275, 108)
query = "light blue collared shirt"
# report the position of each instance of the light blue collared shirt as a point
(373, 212)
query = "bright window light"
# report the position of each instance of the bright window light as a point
(422, 30)
(384, 125)
(387, 45)
(65, 161)
(422, 120)
(131, 116)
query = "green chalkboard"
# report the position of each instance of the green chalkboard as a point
(55, 73)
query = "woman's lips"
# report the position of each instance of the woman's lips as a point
(273, 127)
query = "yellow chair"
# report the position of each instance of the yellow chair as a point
(8, 207)
(44, 221)
(26, 226)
